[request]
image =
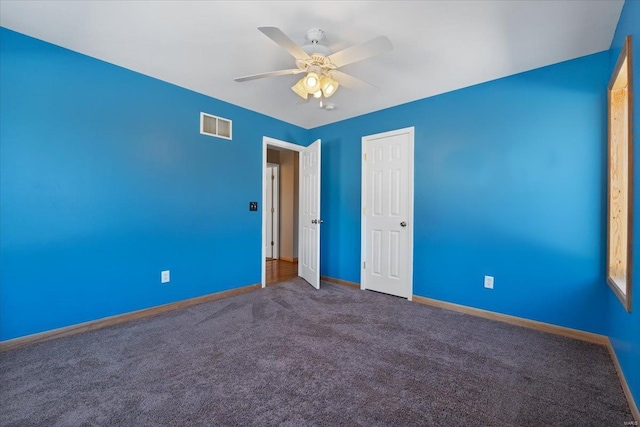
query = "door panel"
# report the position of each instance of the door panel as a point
(309, 245)
(272, 242)
(388, 213)
(268, 247)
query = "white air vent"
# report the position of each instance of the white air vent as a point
(215, 126)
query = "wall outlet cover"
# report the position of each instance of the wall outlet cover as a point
(165, 276)
(488, 282)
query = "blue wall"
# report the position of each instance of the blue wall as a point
(509, 182)
(106, 181)
(624, 328)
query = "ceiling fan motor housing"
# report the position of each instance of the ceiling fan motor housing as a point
(316, 63)
(315, 36)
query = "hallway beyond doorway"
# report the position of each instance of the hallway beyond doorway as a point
(279, 271)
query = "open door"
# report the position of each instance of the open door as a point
(309, 215)
(272, 209)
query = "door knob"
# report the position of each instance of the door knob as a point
(314, 221)
(403, 224)
(320, 221)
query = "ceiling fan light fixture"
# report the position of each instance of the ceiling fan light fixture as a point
(299, 89)
(311, 82)
(319, 64)
(329, 86)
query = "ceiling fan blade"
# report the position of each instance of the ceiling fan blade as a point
(285, 42)
(269, 74)
(351, 82)
(362, 51)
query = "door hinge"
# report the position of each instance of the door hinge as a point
(364, 265)
(271, 243)
(364, 211)
(273, 210)
(273, 177)
(365, 157)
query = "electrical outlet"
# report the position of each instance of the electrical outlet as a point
(488, 282)
(165, 276)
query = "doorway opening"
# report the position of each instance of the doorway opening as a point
(305, 220)
(281, 214)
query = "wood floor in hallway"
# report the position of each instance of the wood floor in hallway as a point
(280, 271)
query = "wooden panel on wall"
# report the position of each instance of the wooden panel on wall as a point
(620, 178)
(618, 194)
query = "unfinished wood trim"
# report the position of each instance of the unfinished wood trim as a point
(286, 258)
(340, 282)
(623, 382)
(619, 90)
(120, 318)
(518, 321)
(628, 46)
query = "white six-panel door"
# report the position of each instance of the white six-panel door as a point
(309, 216)
(387, 216)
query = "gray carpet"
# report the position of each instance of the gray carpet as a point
(293, 356)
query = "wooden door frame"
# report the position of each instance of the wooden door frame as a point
(266, 143)
(363, 229)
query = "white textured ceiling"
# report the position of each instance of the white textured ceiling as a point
(439, 46)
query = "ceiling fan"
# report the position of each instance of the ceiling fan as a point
(322, 77)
